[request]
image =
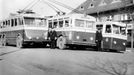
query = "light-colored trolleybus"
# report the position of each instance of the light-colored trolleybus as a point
(73, 30)
(114, 35)
(23, 29)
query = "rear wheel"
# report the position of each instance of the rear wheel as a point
(61, 42)
(19, 41)
(3, 41)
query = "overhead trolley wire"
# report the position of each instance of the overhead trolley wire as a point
(29, 5)
(34, 4)
(52, 6)
(65, 6)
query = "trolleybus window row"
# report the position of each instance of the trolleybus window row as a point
(20, 21)
(11, 22)
(115, 29)
(58, 23)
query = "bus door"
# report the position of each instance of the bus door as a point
(107, 40)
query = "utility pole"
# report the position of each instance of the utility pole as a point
(132, 33)
(132, 39)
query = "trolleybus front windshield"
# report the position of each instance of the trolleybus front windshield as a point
(34, 21)
(83, 23)
(119, 30)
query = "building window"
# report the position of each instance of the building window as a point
(102, 3)
(115, 1)
(91, 5)
(81, 8)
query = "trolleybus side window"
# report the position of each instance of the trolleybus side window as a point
(123, 30)
(66, 23)
(15, 22)
(8, 22)
(55, 24)
(61, 23)
(50, 23)
(116, 29)
(3, 24)
(12, 22)
(20, 21)
(108, 29)
(89, 24)
(79, 23)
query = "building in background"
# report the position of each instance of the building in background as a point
(110, 10)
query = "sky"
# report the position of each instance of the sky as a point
(11, 6)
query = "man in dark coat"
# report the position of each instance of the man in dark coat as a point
(52, 35)
(98, 39)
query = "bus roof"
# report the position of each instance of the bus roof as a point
(23, 15)
(112, 22)
(74, 15)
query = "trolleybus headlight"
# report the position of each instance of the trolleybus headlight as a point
(29, 37)
(106, 39)
(37, 37)
(115, 42)
(124, 44)
(45, 37)
(91, 38)
(77, 37)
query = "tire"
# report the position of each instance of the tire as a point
(61, 42)
(19, 41)
(3, 41)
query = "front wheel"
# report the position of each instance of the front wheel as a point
(61, 42)
(19, 41)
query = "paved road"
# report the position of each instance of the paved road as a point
(45, 61)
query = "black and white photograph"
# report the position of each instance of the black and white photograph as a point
(66, 37)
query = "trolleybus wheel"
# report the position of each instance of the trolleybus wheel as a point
(4, 40)
(19, 41)
(61, 42)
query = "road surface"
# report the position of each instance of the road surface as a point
(45, 61)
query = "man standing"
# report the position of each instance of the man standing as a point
(52, 35)
(98, 39)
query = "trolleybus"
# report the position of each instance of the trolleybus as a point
(23, 29)
(73, 30)
(114, 35)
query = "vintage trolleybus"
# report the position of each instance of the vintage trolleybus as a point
(23, 29)
(73, 30)
(114, 35)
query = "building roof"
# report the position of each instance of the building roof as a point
(94, 6)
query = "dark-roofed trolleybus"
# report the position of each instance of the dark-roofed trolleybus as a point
(114, 35)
